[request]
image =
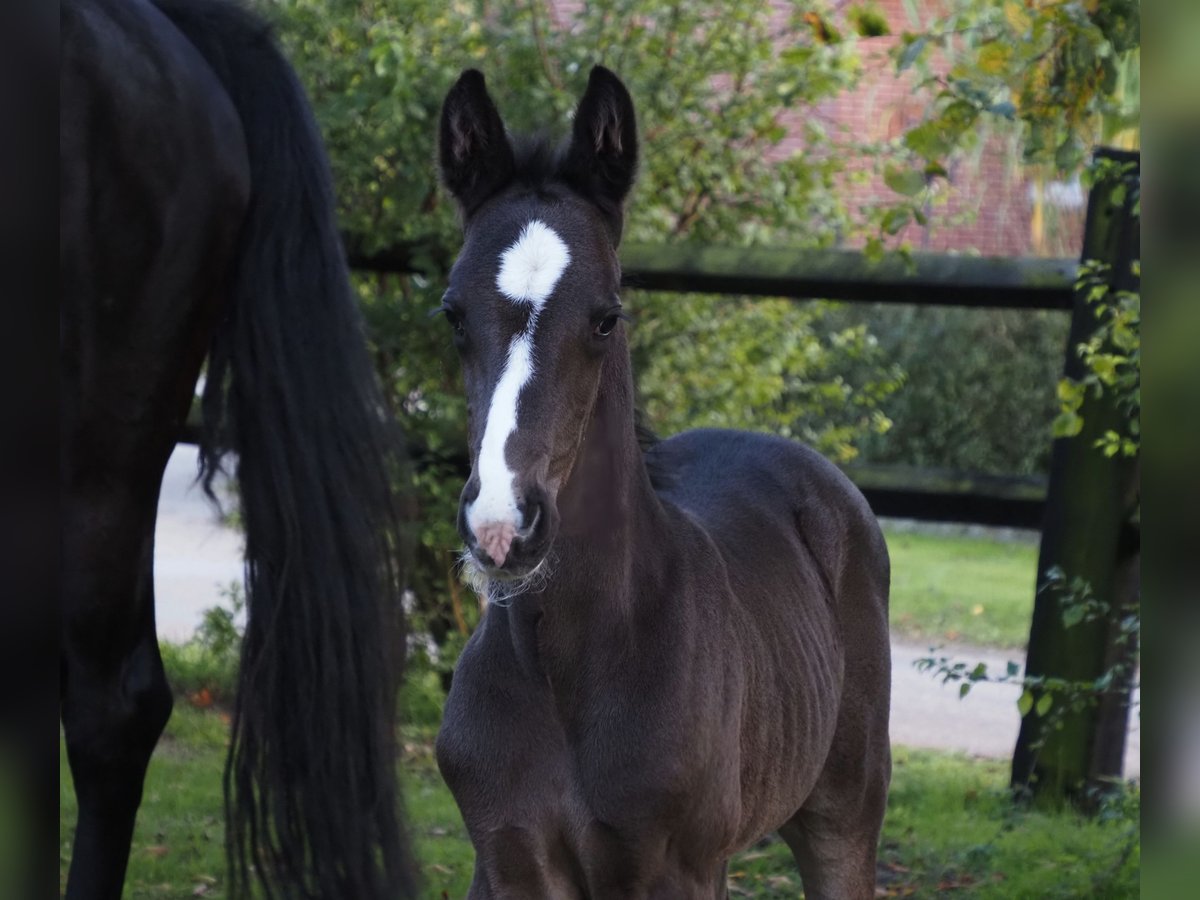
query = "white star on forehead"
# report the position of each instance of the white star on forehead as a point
(532, 266)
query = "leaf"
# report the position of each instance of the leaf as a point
(1105, 367)
(823, 30)
(895, 219)
(1018, 18)
(868, 21)
(913, 48)
(929, 141)
(993, 58)
(1073, 615)
(1070, 393)
(1066, 425)
(1025, 703)
(907, 182)
(1044, 703)
(1013, 669)
(1069, 154)
(964, 689)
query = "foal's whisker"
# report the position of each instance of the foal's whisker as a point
(502, 593)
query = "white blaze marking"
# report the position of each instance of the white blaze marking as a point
(529, 271)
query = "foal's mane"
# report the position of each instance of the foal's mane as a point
(660, 474)
(537, 159)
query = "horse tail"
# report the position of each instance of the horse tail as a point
(311, 799)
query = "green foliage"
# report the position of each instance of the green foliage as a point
(1112, 359)
(1053, 79)
(708, 78)
(761, 365)
(868, 20)
(1065, 71)
(978, 392)
(204, 669)
(1051, 698)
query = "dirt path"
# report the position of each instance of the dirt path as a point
(195, 555)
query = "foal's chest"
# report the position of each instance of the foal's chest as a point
(547, 813)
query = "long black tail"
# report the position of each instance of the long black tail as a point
(310, 787)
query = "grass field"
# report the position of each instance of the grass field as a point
(949, 829)
(961, 588)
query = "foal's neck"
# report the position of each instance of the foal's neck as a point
(607, 504)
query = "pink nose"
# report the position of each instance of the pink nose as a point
(496, 539)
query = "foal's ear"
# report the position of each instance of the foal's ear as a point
(602, 158)
(473, 150)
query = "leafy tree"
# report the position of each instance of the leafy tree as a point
(1061, 76)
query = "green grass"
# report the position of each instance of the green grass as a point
(961, 589)
(950, 829)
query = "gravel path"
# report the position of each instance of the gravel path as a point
(196, 555)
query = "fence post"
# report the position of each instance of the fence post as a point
(1089, 531)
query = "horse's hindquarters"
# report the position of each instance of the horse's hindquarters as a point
(153, 187)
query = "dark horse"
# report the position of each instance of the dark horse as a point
(197, 220)
(687, 646)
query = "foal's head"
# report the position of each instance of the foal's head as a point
(533, 303)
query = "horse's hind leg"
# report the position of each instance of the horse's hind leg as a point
(836, 855)
(835, 835)
(115, 696)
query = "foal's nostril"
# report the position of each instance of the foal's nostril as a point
(532, 515)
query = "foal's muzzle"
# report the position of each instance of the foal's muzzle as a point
(509, 549)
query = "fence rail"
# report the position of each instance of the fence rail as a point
(931, 279)
(939, 495)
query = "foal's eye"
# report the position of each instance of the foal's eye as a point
(606, 325)
(456, 322)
